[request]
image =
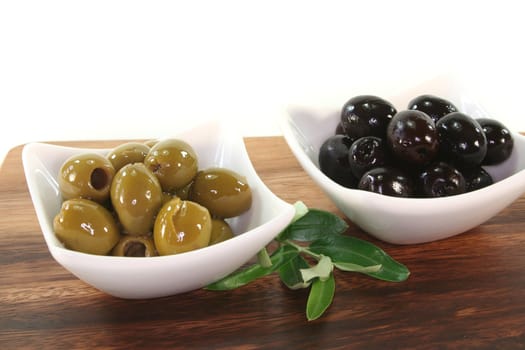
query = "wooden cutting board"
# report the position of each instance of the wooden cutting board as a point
(464, 292)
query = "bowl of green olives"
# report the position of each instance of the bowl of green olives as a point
(415, 167)
(153, 219)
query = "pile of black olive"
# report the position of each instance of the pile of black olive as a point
(430, 149)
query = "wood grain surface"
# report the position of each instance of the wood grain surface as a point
(465, 292)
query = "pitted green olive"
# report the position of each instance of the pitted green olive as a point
(181, 226)
(136, 196)
(86, 226)
(87, 175)
(126, 153)
(135, 246)
(224, 192)
(220, 231)
(146, 199)
(174, 162)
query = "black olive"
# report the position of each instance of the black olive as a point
(499, 141)
(439, 180)
(428, 150)
(366, 115)
(388, 181)
(462, 141)
(366, 153)
(333, 160)
(412, 137)
(436, 107)
(476, 178)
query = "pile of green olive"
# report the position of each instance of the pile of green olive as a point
(146, 199)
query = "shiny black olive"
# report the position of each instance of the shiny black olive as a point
(462, 141)
(366, 153)
(333, 160)
(499, 141)
(435, 107)
(388, 181)
(366, 115)
(476, 178)
(412, 137)
(439, 180)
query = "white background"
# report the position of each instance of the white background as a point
(142, 69)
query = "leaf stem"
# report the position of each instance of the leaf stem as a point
(302, 249)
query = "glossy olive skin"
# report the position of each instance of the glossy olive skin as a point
(499, 141)
(86, 226)
(134, 246)
(220, 231)
(86, 175)
(412, 137)
(441, 179)
(174, 162)
(476, 178)
(366, 153)
(334, 160)
(434, 106)
(126, 153)
(366, 115)
(181, 226)
(462, 141)
(136, 196)
(224, 192)
(387, 181)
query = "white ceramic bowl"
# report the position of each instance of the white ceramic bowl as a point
(406, 220)
(133, 278)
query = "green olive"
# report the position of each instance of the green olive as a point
(181, 226)
(126, 153)
(87, 175)
(224, 192)
(86, 226)
(136, 196)
(174, 162)
(220, 231)
(135, 246)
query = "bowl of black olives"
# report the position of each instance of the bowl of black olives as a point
(410, 168)
(157, 218)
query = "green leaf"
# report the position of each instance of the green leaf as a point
(349, 267)
(313, 225)
(291, 275)
(322, 269)
(347, 249)
(242, 277)
(320, 297)
(323, 231)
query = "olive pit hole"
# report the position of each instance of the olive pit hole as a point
(135, 249)
(99, 179)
